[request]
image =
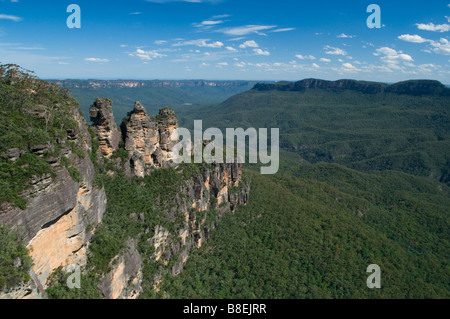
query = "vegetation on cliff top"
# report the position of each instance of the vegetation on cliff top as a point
(34, 114)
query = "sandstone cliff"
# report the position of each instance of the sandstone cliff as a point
(200, 203)
(62, 210)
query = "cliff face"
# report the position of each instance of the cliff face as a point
(61, 210)
(124, 281)
(201, 203)
(149, 142)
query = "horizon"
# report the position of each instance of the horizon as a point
(231, 80)
(227, 40)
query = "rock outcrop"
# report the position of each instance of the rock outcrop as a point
(149, 141)
(124, 280)
(104, 126)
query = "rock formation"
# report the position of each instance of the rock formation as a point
(149, 141)
(104, 126)
(200, 203)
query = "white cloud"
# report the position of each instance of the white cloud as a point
(305, 57)
(413, 38)
(249, 44)
(393, 58)
(160, 42)
(10, 17)
(246, 30)
(334, 51)
(98, 60)
(237, 39)
(216, 45)
(433, 27)
(441, 47)
(283, 30)
(315, 65)
(386, 51)
(211, 22)
(261, 52)
(349, 66)
(231, 49)
(343, 35)
(146, 55)
(325, 60)
(203, 43)
(208, 23)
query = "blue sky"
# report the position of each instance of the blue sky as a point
(228, 39)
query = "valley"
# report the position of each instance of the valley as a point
(363, 179)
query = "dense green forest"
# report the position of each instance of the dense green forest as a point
(314, 236)
(382, 131)
(362, 180)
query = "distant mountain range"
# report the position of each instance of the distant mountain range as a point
(411, 87)
(362, 125)
(106, 84)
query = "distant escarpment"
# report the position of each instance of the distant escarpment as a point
(109, 200)
(412, 87)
